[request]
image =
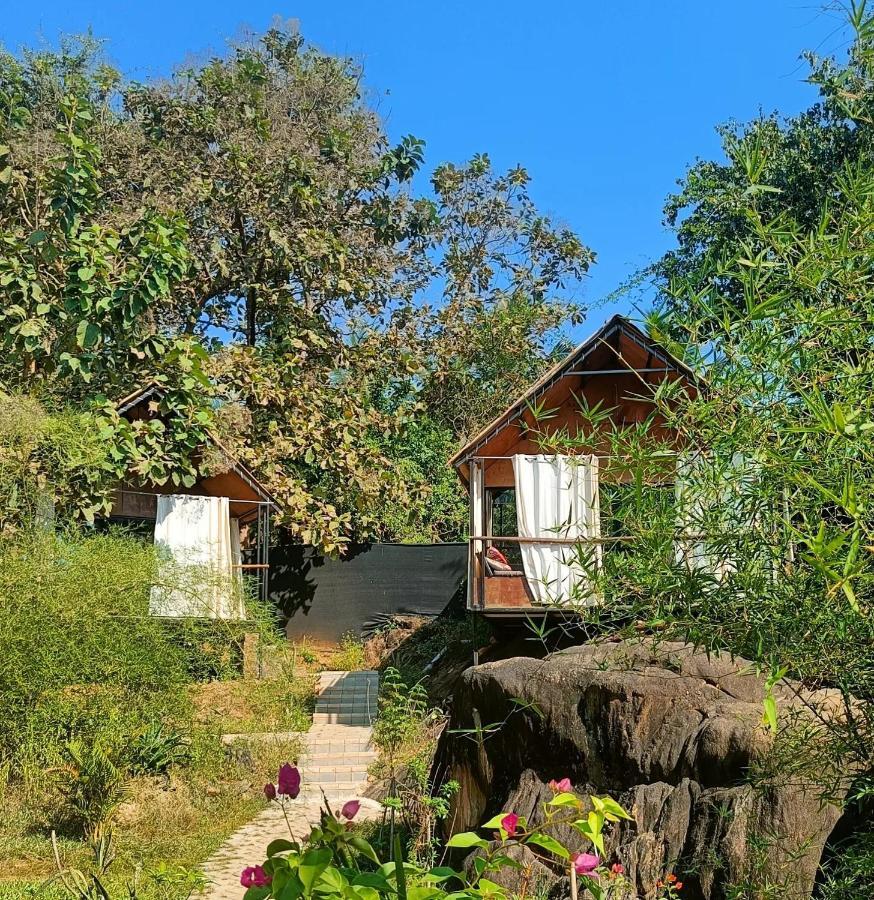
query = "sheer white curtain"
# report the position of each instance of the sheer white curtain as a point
(197, 559)
(713, 504)
(557, 497)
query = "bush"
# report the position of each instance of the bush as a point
(156, 749)
(351, 656)
(82, 658)
(92, 784)
(210, 649)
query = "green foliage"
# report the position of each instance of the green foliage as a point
(253, 203)
(850, 873)
(401, 716)
(350, 656)
(92, 784)
(334, 862)
(760, 543)
(156, 749)
(439, 511)
(81, 290)
(81, 655)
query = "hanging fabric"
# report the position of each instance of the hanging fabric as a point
(196, 574)
(557, 498)
(712, 506)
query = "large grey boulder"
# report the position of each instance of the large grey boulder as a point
(669, 732)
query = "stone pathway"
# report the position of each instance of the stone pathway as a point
(338, 752)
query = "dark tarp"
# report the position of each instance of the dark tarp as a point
(325, 598)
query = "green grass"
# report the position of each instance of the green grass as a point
(175, 821)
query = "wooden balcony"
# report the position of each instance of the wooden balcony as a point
(506, 593)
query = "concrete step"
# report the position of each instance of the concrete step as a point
(338, 718)
(353, 758)
(342, 776)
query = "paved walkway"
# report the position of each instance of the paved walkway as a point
(338, 752)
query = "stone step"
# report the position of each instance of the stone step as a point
(343, 776)
(353, 758)
(337, 790)
(346, 702)
(338, 718)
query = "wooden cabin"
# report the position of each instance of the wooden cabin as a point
(248, 504)
(616, 367)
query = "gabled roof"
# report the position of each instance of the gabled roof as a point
(153, 390)
(617, 325)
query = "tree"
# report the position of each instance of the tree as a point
(510, 279)
(82, 287)
(765, 548)
(244, 233)
(790, 165)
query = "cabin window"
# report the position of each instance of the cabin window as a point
(501, 519)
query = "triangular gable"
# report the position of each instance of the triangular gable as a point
(615, 327)
(153, 390)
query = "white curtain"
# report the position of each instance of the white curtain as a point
(712, 505)
(196, 559)
(557, 497)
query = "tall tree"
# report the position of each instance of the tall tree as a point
(253, 204)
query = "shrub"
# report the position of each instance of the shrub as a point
(81, 658)
(402, 714)
(92, 784)
(351, 656)
(156, 749)
(333, 861)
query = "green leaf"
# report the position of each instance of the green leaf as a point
(86, 273)
(769, 716)
(565, 799)
(259, 893)
(548, 843)
(281, 845)
(495, 821)
(312, 864)
(363, 847)
(374, 880)
(611, 810)
(441, 873)
(87, 334)
(291, 890)
(400, 875)
(466, 839)
(331, 880)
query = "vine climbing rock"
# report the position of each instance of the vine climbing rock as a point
(673, 734)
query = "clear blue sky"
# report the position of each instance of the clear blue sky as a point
(604, 103)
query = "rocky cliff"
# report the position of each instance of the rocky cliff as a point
(672, 734)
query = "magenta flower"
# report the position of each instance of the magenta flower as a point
(350, 809)
(254, 876)
(509, 823)
(561, 787)
(585, 863)
(270, 791)
(288, 783)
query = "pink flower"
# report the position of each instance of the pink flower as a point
(561, 787)
(288, 781)
(509, 823)
(270, 791)
(585, 863)
(617, 869)
(350, 809)
(254, 876)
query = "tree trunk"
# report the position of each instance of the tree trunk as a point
(251, 305)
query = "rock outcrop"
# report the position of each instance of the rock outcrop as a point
(671, 733)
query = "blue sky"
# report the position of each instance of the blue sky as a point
(605, 104)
